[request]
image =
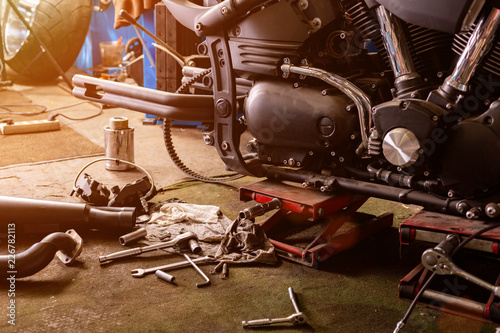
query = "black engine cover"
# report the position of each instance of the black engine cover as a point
(302, 118)
(471, 154)
(422, 118)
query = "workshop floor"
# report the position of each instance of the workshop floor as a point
(354, 291)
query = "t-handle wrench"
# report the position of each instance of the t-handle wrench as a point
(298, 318)
(207, 280)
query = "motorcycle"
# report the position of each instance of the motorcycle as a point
(390, 99)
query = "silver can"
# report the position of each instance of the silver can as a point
(119, 143)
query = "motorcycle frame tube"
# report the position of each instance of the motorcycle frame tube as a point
(333, 183)
(395, 45)
(185, 107)
(478, 45)
(360, 99)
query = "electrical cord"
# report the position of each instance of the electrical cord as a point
(9, 109)
(53, 116)
(403, 321)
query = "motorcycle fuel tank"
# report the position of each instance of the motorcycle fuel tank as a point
(443, 15)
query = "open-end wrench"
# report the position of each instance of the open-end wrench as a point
(207, 280)
(139, 272)
(298, 318)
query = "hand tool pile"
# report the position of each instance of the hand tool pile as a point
(184, 240)
(188, 240)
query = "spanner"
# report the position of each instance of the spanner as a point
(438, 261)
(139, 272)
(298, 318)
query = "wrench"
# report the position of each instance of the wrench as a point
(439, 262)
(207, 280)
(298, 318)
(139, 272)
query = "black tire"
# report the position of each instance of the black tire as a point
(62, 26)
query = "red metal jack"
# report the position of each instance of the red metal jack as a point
(344, 226)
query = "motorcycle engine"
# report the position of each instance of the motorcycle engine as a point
(407, 132)
(471, 154)
(298, 125)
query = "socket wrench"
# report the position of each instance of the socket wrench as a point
(179, 240)
(139, 272)
(439, 262)
(297, 318)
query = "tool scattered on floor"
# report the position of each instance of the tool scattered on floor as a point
(297, 318)
(180, 240)
(139, 272)
(199, 284)
(225, 271)
(133, 236)
(165, 276)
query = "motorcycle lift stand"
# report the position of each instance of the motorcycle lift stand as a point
(450, 293)
(330, 221)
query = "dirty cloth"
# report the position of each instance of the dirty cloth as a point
(173, 212)
(245, 242)
(175, 216)
(134, 7)
(238, 241)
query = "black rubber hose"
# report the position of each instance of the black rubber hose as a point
(37, 257)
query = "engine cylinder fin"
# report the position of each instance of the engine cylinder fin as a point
(368, 25)
(423, 42)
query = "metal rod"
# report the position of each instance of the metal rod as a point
(293, 299)
(359, 97)
(207, 280)
(176, 55)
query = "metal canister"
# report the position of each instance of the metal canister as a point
(119, 143)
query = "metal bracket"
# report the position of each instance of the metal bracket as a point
(68, 258)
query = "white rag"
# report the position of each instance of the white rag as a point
(174, 212)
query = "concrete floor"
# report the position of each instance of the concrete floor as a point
(354, 291)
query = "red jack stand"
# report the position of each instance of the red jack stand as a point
(450, 293)
(342, 227)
